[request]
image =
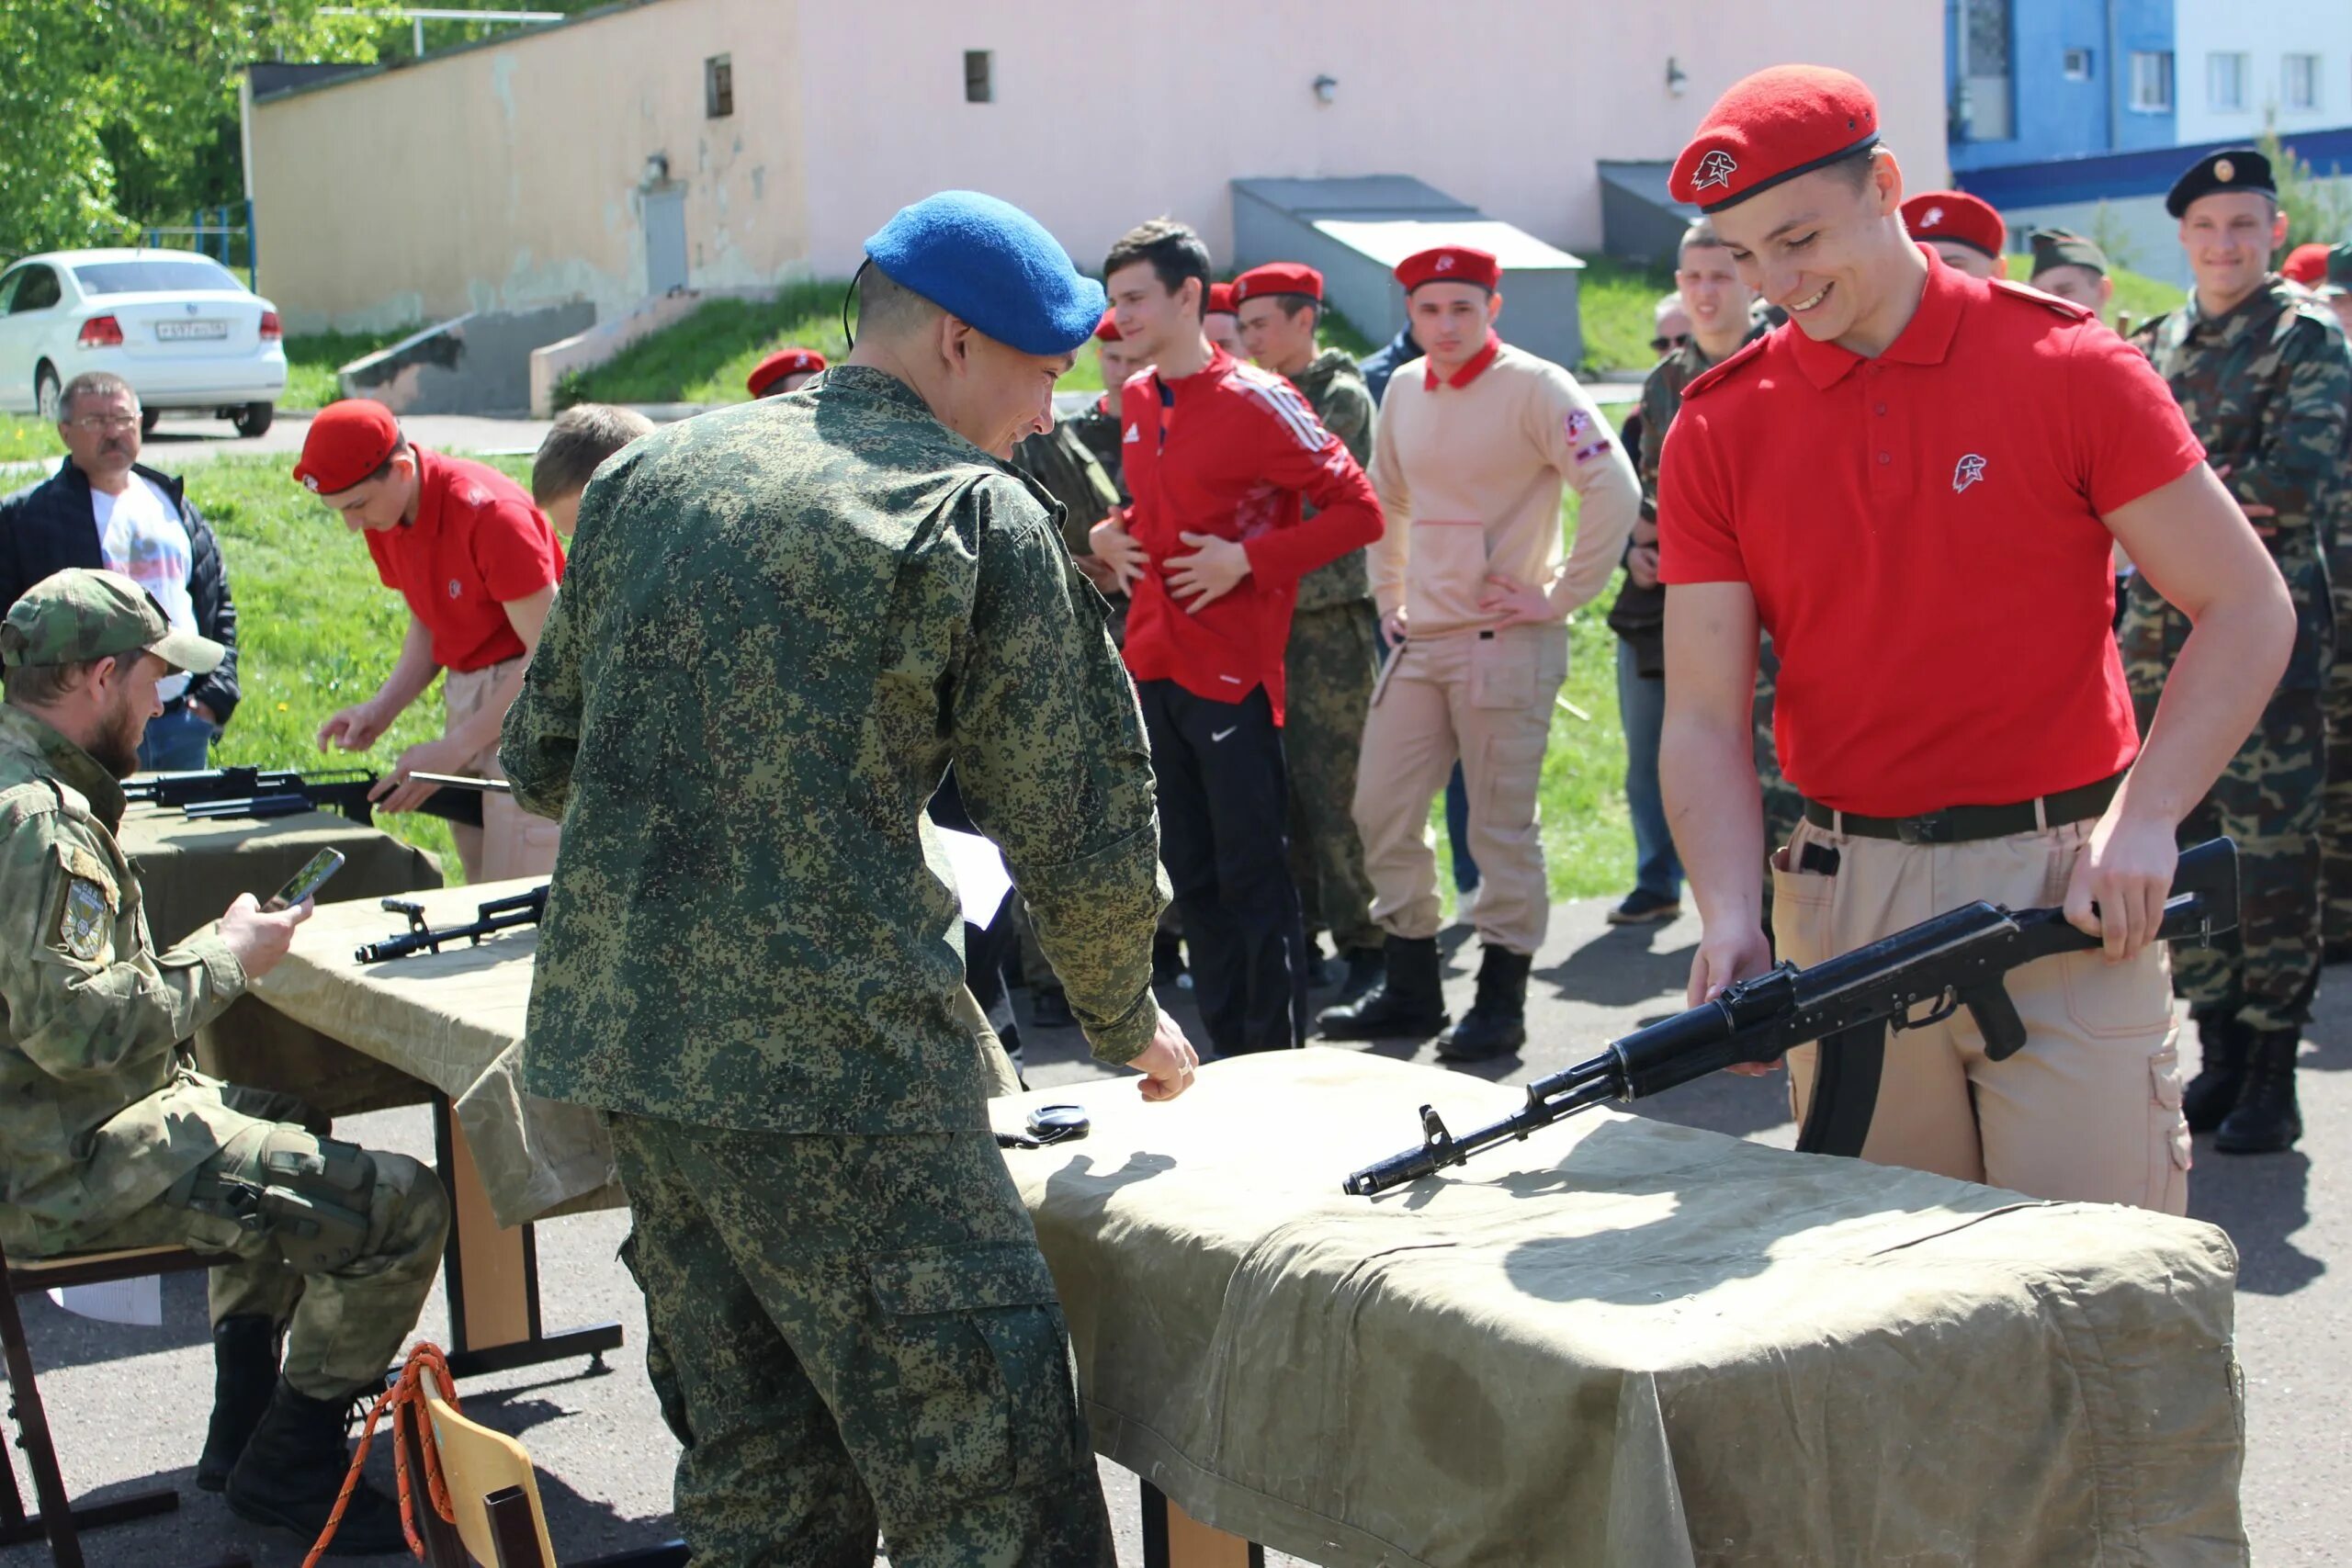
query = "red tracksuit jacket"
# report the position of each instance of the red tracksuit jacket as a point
(1232, 451)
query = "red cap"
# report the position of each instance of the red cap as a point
(777, 366)
(1107, 329)
(2306, 265)
(1450, 264)
(1221, 301)
(348, 441)
(1278, 278)
(1956, 216)
(1773, 126)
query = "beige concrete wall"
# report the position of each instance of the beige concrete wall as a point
(512, 175)
(1108, 112)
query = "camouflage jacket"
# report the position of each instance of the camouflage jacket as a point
(782, 622)
(99, 1109)
(1097, 428)
(1334, 388)
(1066, 467)
(1642, 611)
(2266, 387)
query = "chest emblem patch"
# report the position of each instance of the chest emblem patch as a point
(456, 588)
(1971, 469)
(1132, 438)
(83, 929)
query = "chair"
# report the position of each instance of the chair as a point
(59, 1520)
(495, 1493)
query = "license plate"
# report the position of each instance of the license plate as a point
(186, 332)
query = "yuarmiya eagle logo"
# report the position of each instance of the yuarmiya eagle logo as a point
(1971, 469)
(1715, 169)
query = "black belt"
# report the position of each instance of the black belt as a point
(1963, 824)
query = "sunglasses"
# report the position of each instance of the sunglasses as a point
(1661, 344)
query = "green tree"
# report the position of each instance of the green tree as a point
(2317, 209)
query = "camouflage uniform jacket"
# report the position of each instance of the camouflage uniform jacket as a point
(101, 1111)
(1097, 428)
(1334, 388)
(782, 624)
(1058, 460)
(2266, 387)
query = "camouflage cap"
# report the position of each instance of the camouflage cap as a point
(82, 614)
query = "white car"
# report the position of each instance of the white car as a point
(177, 326)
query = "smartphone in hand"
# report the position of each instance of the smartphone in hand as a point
(306, 882)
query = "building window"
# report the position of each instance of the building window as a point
(2225, 83)
(1984, 99)
(2152, 80)
(717, 87)
(2299, 82)
(2077, 66)
(979, 87)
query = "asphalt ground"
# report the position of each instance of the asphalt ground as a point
(128, 1406)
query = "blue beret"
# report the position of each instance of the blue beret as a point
(988, 262)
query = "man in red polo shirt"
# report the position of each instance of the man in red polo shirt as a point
(1962, 229)
(1915, 485)
(1219, 456)
(478, 565)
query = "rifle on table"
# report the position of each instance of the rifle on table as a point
(1848, 1003)
(523, 909)
(226, 793)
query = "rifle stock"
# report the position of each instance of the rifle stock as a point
(1960, 958)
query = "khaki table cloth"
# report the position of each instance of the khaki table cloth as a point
(189, 872)
(1623, 1342)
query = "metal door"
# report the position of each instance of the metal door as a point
(666, 239)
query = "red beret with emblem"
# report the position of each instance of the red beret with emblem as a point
(1107, 329)
(1221, 301)
(347, 442)
(1773, 127)
(1958, 217)
(782, 363)
(1278, 278)
(2306, 265)
(1450, 264)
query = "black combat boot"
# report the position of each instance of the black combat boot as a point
(2266, 1119)
(244, 1371)
(1496, 1022)
(1406, 1003)
(2220, 1073)
(292, 1469)
(1365, 966)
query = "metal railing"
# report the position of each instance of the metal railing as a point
(225, 233)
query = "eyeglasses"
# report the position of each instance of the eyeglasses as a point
(96, 424)
(1661, 344)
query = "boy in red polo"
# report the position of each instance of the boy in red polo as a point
(478, 565)
(1219, 456)
(1914, 486)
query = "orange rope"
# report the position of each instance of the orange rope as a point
(406, 1400)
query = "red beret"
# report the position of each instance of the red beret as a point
(348, 441)
(777, 366)
(1450, 264)
(1957, 216)
(1773, 126)
(1107, 329)
(1278, 278)
(1221, 299)
(2306, 265)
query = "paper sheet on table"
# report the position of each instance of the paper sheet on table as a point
(139, 1302)
(982, 880)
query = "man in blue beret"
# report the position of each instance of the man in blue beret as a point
(782, 623)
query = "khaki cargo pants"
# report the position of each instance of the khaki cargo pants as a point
(2088, 1110)
(1486, 699)
(510, 842)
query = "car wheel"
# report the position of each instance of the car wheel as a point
(148, 420)
(45, 398)
(254, 419)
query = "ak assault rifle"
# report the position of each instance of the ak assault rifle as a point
(1848, 1003)
(525, 908)
(223, 794)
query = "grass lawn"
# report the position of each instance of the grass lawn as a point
(23, 438)
(312, 359)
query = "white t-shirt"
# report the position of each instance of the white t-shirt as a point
(142, 536)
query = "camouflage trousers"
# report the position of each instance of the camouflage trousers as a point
(2335, 804)
(1333, 658)
(2269, 800)
(854, 1334)
(345, 1321)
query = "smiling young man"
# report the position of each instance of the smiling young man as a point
(1914, 486)
(477, 564)
(2261, 374)
(1474, 444)
(1220, 456)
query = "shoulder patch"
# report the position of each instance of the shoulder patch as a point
(2049, 302)
(1715, 375)
(81, 929)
